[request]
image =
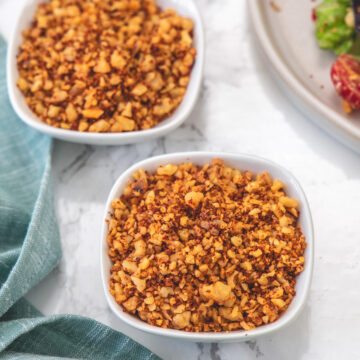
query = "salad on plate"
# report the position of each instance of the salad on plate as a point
(337, 28)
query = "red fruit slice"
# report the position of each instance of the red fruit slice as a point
(345, 75)
(313, 14)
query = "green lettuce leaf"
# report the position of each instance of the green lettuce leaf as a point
(331, 30)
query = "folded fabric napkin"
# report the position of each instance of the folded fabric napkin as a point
(30, 249)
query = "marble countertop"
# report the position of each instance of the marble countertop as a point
(241, 109)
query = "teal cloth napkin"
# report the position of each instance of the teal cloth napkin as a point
(30, 249)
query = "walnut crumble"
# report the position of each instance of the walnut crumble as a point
(105, 65)
(205, 248)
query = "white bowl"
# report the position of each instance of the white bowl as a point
(184, 7)
(241, 162)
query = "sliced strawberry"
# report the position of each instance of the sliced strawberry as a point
(345, 75)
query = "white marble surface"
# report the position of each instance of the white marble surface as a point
(242, 110)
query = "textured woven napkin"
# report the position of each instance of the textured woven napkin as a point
(30, 249)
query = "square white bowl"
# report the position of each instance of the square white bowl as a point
(241, 162)
(184, 7)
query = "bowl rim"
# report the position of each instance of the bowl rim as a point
(168, 124)
(239, 335)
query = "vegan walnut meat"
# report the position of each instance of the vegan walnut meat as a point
(204, 248)
(105, 65)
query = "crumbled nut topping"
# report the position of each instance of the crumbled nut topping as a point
(275, 6)
(105, 65)
(205, 248)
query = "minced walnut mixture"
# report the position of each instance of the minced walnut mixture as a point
(205, 248)
(105, 65)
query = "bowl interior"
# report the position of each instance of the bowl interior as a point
(185, 8)
(241, 162)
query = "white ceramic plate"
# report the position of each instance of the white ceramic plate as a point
(288, 40)
(184, 7)
(241, 162)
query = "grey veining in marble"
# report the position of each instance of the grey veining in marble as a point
(241, 110)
